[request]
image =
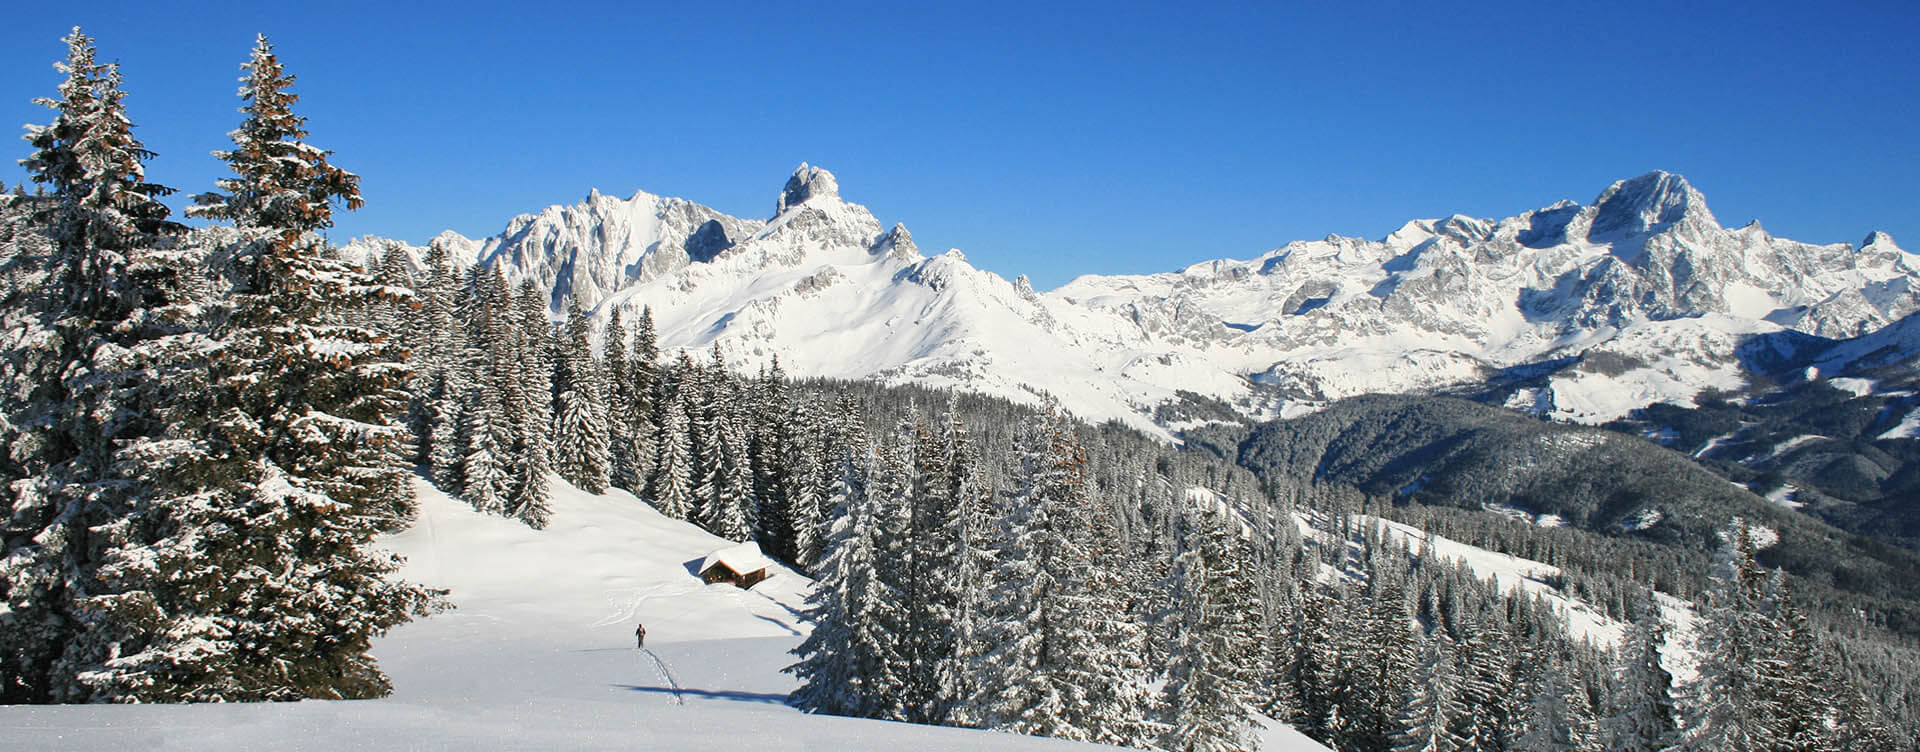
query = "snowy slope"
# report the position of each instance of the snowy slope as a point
(539, 654)
(1895, 344)
(1639, 297)
(1516, 575)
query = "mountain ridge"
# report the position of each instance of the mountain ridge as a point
(1642, 277)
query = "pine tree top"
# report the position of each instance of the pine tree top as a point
(281, 182)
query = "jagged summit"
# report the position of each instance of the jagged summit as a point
(897, 242)
(808, 182)
(1877, 238)
(1649, 204)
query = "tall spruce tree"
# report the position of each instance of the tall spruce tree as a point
(623, 467)
(1559, 715)
(972, 525)
(580, 450)
(725, 490)
(1210, 684)
(1050, 644)
(282, 185)
(80, 389)
(1728, 707)
(1382, 658)
(1643, 709)
(843, 664)
(534, 372)
(274, 594)
(672, 485)
(1427, 718)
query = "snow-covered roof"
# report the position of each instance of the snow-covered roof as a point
(742, 559)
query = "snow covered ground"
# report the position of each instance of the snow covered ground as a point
(540, 655)
(1583, 621)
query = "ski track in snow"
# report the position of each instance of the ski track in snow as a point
(625, 602)
(666, 675)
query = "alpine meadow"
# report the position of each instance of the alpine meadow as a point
(640, 472)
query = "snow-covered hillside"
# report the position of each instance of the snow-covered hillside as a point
(540, 654)
(1639, 297)
(1525, 576)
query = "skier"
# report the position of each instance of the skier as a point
(640, 636)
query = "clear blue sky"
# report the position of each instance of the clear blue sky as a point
(1046, 139)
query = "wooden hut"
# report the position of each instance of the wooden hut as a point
(742, 565)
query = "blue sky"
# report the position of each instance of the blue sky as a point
(1049, 139)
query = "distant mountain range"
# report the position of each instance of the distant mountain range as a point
(1580, 313)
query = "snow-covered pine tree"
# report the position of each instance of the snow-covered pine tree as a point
(1049, 643)
(438, 383)
(972, 523)
(534, 371)
(769, 434)
(90, 160)
(1484, 658)
(278, 593)
(76, 386)
(394, 308)
(580, 451)
(672, 485)
(1643, 710)
(923, 496)
(1313, 661)
(842, 433)
(281, 184)
(490, 409)
(623, 467)
(1211, 681)
(725, 492)
(487, 476)
(1427, 718)
(1727, 705)
(1278, 546)
(666, 388)
(1012, 690)
(643, 392)
(802, 453)
(127, 652)
(889, 492)
(647, 384)
(1559, 715)
(710, 390)
(1383, 656)
(1807, 688)
(842, 666)
(1121, 708)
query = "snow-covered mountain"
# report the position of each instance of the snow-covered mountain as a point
(1588, 310)
(1643, 285)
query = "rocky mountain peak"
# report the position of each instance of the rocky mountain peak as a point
(808, 182)
(898, 243)
(1649, 204)
(1877, 238)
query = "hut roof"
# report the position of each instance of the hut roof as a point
(742, 559)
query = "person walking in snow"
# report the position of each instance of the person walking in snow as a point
(640, 636)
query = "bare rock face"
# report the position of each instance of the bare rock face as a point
(808, 182)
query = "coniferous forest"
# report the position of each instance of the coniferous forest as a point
(207, 427)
